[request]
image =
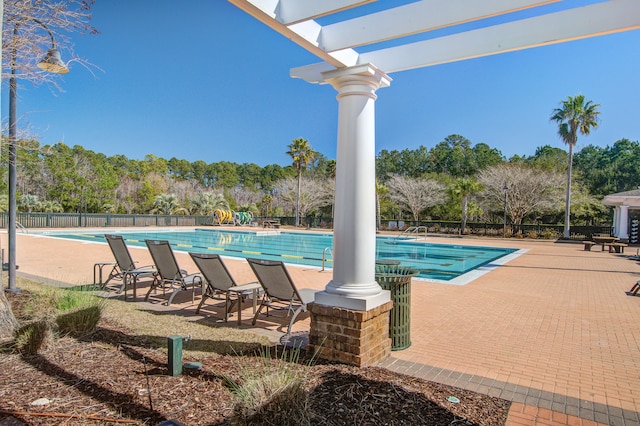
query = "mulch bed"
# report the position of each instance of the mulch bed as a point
(114, 377)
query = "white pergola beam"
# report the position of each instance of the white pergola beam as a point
(414, 18)
(573, 24)
(304, 34)
(292, 11)
(289, 12)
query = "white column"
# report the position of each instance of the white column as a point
(616, 221)
(623, 226)
(353, 285)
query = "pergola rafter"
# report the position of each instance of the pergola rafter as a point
(337, 43)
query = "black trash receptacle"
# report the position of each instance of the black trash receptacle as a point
(397, 279)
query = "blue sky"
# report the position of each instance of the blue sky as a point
(201, 80)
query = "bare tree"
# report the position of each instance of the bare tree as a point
(28, 29)
(415, 194)
(125, 194)
(528, 190)
(184, 190)
(245, 197)
(315, 193)
(26, 41)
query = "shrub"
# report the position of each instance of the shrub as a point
(57, 311)
(550, 234)
(79, 322)
(273, 393)
(33, 337)
(533, 235)
(80, 312)
(41, 305)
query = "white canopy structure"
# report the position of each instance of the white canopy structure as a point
(623, 202)
(360, 42)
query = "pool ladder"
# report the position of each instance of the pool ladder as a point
(21, 227)
(324, 256)
(412, 230)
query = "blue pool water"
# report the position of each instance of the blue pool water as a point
(440, 262)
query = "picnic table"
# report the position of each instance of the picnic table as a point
(271, 223)
(605, 240)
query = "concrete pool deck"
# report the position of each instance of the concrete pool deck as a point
(552, 330)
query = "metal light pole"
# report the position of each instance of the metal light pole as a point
(505, 188)
(50, 63)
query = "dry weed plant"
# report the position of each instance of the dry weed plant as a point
(273, 392)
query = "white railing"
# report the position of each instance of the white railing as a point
(413, 230)
(324, 256)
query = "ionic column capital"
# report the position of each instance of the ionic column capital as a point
(361, 80)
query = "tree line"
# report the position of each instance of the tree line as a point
(453, 180)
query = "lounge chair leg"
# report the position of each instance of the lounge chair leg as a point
(634, 290)
(149, 292)
(255, 317)
(293, 318)
(172, 296)
(229, 309)
(204, 297)
(227, 306)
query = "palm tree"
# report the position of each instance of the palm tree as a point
(167, 204)
(575, 115)
(208, 202)
(266, 202)
(51, 206)
(302, 154)
(28, 202)
(464, 187)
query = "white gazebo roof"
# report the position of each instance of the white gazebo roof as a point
(345, 33)
(627, 198)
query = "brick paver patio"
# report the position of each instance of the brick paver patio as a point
(553, 330)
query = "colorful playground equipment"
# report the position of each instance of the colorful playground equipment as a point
(229, 217)
(222, 216)
(243, 218)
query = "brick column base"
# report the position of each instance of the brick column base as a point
(358, 338)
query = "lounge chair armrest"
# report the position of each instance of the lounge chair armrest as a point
(193, 278)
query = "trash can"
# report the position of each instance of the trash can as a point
(386, 262)
(397, 279)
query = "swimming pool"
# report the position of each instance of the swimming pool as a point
(435, 262)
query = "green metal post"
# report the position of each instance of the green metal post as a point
(174, 343)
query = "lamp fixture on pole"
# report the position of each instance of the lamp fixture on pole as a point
(505, 188)
(52, 62)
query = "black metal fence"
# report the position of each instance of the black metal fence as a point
(99, 220)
